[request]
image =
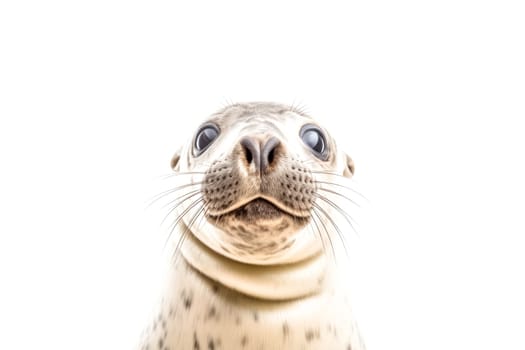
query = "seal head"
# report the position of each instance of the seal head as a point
(258, 167)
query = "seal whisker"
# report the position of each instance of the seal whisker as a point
(315, 212)
(340, 195)
(180, 197)
(162, 194)
(334, 225)
(299, 108)
(345, 215)
(346, 179)
(205, 212)
(184, 234)
(181, 173)
(185, 211)
(318, 232)
(227, 102)
(341, 185)
(309, 161)
(178, 202)
(179, 218)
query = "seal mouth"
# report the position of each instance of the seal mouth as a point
(259, 208)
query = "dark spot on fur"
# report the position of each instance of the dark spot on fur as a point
(215, 288)
(244, 341)
(211, 344)
(309, 335)
(255, 316)
(212, 313)
(196, 345)
(186, 300)
(286, 329)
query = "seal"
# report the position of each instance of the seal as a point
(259, 257)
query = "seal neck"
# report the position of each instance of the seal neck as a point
(271, 282)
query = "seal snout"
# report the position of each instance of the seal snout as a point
(259, 167)
(260, 155)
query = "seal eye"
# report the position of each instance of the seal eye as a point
(315, 140)
(205, 137)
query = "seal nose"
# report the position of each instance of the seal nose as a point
(261, 154)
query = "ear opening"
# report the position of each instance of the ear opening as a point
(175, 160)
(350, 167)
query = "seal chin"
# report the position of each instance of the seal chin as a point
(257, 229)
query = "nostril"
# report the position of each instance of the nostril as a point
(248, 155)
(271, 156)
(268, 152)
(251, 150)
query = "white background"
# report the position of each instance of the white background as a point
(428, 98)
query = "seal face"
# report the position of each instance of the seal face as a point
(258, 190)
(259, 208)
(259, 203)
